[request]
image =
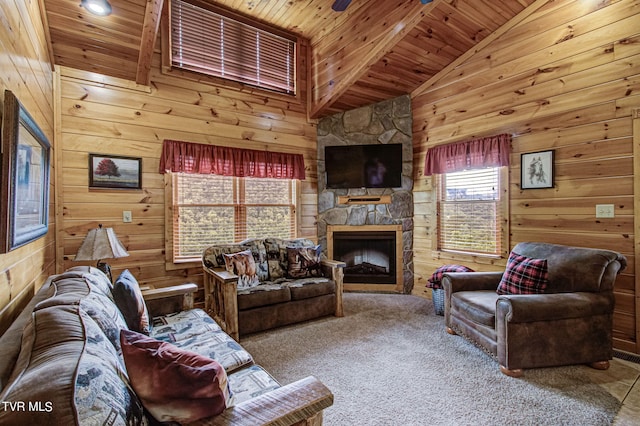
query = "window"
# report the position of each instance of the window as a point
(210, 41)
(212, 209)
(470, 211)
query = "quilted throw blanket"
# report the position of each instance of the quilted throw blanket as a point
(435, 281)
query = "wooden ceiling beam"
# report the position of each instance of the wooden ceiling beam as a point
(148, 38)
(47, 33)
(342, 57)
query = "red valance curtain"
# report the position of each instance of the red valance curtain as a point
(492, 151)
(188, 157)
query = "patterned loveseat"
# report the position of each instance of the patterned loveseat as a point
(263, 283)
(66, 361)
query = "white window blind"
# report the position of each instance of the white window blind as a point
(213, 209)
(211, 43)
(469, 213)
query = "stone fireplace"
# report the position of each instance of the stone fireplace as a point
(358, 210)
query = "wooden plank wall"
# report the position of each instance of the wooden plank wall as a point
(566, 78)
(111, 116)
(26, 71)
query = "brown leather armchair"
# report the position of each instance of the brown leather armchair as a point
(570, 323)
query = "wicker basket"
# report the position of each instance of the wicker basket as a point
(437, 294)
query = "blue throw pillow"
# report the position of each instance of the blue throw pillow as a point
(128, 298)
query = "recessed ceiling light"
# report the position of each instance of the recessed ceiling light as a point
(97, 7)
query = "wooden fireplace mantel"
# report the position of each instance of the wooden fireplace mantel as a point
(364, 199)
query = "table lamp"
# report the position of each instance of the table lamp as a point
(101, 243)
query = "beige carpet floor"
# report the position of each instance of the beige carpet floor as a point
(389, 361)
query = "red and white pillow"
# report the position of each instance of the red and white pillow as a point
(524, 275)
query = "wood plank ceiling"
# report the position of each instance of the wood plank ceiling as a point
(371, 52)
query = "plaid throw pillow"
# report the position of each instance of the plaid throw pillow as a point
(524, 275)
(436, 279)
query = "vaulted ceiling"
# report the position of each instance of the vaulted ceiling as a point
(375, 50)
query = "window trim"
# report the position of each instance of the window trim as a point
(168, 69)
(462, 256)
(170, 263)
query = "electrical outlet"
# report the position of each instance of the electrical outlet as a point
(604, 210)
(126, 216)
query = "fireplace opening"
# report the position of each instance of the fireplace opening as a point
(370, 257)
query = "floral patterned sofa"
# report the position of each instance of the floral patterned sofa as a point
(70, 358)
(263, 283)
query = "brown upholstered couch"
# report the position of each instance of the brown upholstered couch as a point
(571, 323)
(60, 363)
(277, 299)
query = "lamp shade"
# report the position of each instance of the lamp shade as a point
(101, 243)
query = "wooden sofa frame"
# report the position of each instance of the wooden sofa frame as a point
(221, 294)
(299, 403)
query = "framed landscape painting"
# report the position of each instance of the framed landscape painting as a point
(115, 172)
(24, 189)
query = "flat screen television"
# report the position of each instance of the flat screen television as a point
(363, 166)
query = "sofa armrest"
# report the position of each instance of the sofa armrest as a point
(221, 299)
(334, 269)
(527, 308)
(300, 402)
(333, 263)
(470, 281)
(176, 290)
(165, 300)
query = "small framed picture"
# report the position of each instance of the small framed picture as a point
(537, 170)
(116, 172)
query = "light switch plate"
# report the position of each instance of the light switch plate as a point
(126, 216)
(605, 210)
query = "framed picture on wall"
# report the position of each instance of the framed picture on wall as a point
(116, 172)
(24, 182)
(536, 170)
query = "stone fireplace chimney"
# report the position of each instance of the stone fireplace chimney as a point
(382, 123)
